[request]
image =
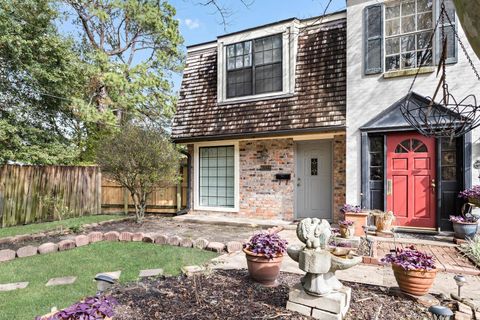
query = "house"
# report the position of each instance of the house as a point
(262, 112)
(295, 118)
(390, 166)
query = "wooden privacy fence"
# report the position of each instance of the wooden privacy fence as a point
(28, 193)
(116, 199)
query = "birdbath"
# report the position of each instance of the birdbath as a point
(320, 294)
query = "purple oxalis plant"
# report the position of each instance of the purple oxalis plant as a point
(92, 308)
(410, 259)
(346, 223)
(268, 244)
(472, 193)
(351, 208)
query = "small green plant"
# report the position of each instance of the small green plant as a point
(76, 228)
(472, 248)
(56, 207)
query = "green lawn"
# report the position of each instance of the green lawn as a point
(49, 226)
(85, 263)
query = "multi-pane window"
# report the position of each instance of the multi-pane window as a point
(408, 30)
(217, 177)
(254, 66)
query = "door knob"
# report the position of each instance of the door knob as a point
(433, 184)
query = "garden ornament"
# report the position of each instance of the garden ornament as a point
(316, 259)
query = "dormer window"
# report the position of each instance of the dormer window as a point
(254, 66)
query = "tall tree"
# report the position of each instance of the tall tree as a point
(134, 46)
(38, 68)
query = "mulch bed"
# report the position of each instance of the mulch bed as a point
(232, 295)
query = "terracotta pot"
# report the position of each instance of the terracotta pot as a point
(383, 224)
(263, 270)
(360, 220)
(347, 232)
(416, 282)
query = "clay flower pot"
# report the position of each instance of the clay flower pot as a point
(347, 232)
(360, 220)
(416, 282)
(263, 270)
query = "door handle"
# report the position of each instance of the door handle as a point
(433, 184)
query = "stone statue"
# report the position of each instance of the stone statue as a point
(316, 259)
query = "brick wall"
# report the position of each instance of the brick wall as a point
(262, 196)
(339, 175)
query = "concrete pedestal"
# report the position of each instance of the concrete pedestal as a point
(332, 306)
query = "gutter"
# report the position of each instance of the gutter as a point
(189, 186)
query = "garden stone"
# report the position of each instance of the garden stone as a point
(191, 270)
(115, 275)
(187, 243)
(66, 245)
(306, 311)
(27, 251)
(426, 300)
(234, 246)
(61, 281)
(95, 236)
(462, 316)
(38, 235)
(161, 239)
(150, 273)
(200, 243)
(174, 241)
(6, 240)
(137, 236)
(149, 238)
(13, 286)
(22, 237)
(125, 236)
(7, 255)
(463, 308)
(81, 240)
(111, 236)
(216, 246)
(325, 315)
(47, 248)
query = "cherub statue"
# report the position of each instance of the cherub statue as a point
(314, 232)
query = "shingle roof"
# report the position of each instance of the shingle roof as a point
(318, 103)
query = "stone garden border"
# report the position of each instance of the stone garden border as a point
(114, 236)
(35, 236)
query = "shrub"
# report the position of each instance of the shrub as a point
(268, 244)
(472, 248)
(346, 223)
(410, 259)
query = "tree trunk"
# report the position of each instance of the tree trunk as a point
(136, 202)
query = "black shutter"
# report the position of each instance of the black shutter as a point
(373, 16)
(450, 28)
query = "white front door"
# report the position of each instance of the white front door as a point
(314, 180)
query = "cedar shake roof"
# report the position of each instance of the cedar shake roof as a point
(318, 103)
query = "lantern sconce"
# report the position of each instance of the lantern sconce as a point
(460, 280)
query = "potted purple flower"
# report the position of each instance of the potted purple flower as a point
(264, 252)
(472, 195)
(357, 215)
(346, 228)
(414, 270)
(90, 308)
(464, 226)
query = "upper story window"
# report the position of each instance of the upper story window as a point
(408, 29)
(397, 35)
(254, 66)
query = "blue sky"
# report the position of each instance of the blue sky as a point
(200, 24)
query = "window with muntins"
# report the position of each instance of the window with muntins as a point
(217, 177)
(408, 30)
(254, 66)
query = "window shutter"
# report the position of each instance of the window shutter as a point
(452, 42)
(373, 16)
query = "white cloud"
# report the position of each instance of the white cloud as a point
(192, 24)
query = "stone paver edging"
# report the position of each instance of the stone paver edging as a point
(96, 236)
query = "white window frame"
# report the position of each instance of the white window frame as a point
(385, 37)
(289, 31)
(196, 170)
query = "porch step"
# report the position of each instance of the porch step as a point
(234, 221)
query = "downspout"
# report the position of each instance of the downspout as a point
(189, 186)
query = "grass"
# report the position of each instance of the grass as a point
(472, 248)
(49, 226)
(85, 263)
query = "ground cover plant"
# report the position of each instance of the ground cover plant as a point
(410, 259)
(84, 263)
(72, 223)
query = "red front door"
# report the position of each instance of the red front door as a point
(411, 179)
